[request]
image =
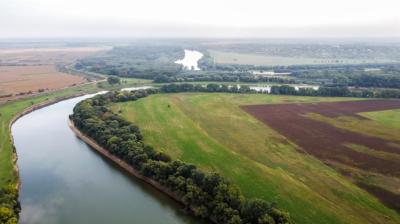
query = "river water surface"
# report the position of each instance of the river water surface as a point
(64, 181)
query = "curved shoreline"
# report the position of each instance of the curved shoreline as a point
(25, 112)
(123, 164)
(103, 152)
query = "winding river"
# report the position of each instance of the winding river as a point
(64, 181)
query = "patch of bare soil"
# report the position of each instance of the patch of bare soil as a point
(328, 143)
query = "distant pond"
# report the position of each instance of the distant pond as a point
(191, 59)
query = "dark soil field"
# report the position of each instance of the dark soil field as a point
(331, 144)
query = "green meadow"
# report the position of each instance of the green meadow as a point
(226, 57)
(211, 131)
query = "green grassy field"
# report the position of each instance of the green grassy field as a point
(388, 118)
(223, 57)
(211, 131)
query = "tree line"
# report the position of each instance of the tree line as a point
(284, 90)
(157, 63)
(212, 87)
(202, 76)
(335, 92)
(206, 195)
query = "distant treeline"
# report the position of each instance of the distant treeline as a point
(370, 75)
(351, 75)
(284, 90)
(369, 80)
(335, 92)
(157, 62)
(136, 61)
(206, 195)
(220, 77)
(380, 76)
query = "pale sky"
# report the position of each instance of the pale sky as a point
(199, 18)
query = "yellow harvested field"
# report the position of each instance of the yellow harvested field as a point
(22, 79)
(42, 56)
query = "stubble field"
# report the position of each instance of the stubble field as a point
(23, 79)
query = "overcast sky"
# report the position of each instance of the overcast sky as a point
(199, 18)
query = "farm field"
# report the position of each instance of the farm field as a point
(365, 153)
(225, 57)
(22, 79)
(26, 70)
(45, 55)
(215, 133)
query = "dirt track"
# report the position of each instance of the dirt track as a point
(327, 142)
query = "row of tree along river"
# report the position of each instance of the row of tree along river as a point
(63, 181)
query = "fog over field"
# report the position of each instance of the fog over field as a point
(176, 18)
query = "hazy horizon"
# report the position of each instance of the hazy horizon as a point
(198, 19)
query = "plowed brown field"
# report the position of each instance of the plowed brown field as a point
(329, 143)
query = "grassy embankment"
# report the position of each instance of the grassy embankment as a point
(211, 131)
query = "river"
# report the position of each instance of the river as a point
(64, 181)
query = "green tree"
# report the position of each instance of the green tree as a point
(112, 80)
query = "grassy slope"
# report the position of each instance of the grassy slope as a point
(211, 131)
(388, 118)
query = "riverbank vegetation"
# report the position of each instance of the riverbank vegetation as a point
(211, 131)
(283, 90)
(207, 195)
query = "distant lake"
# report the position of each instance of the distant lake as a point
(191, 59)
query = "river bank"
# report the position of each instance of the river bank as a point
(10, 112)
(122, 164)
(25, 112)
(102, 151)
(64, 181)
